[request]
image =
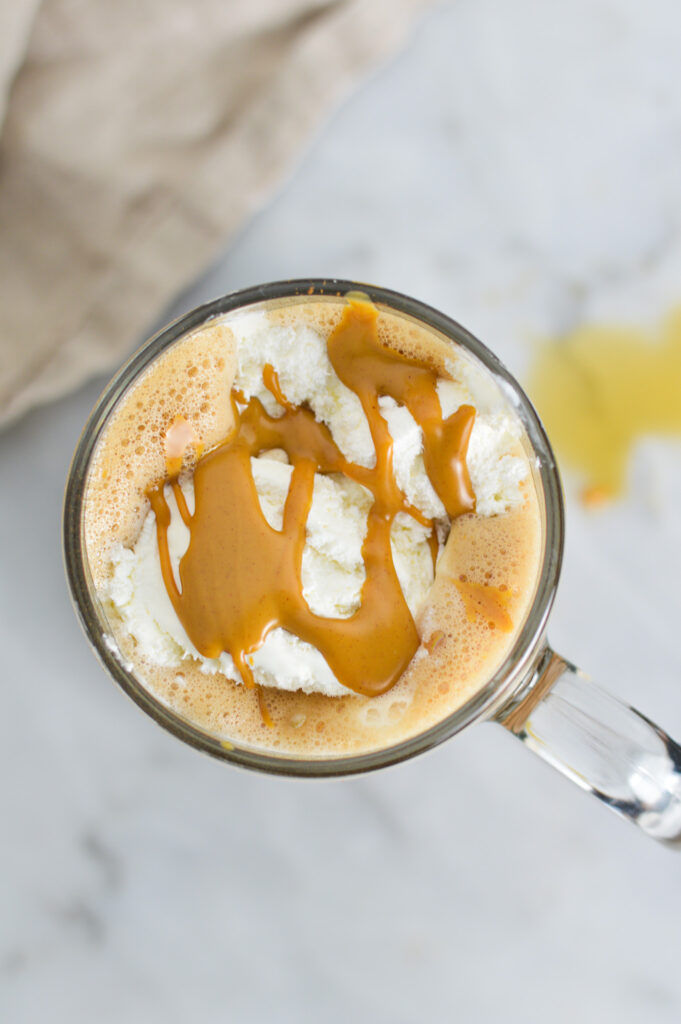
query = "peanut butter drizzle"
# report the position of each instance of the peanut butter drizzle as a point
(240, 578)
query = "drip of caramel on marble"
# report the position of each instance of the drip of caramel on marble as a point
(240, 578)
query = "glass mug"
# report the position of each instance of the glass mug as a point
(605, 746)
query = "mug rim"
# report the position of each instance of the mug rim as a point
(505, 682)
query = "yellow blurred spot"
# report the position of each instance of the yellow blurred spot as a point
(595, 496)
(602, 388)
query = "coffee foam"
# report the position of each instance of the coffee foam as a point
(457, 656)
(190, 379)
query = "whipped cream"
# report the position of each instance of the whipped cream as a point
(332, 567)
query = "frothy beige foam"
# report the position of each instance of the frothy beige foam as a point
(458, 653)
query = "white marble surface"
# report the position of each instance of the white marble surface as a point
(519, 167)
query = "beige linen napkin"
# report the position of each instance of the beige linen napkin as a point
(137, 136)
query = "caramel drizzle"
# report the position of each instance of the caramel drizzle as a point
(179, 437)
(483, 601)
(181, 501)
(240, 578)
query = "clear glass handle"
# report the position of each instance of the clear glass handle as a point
(602, 744)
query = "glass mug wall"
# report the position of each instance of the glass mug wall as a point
(605, 746)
